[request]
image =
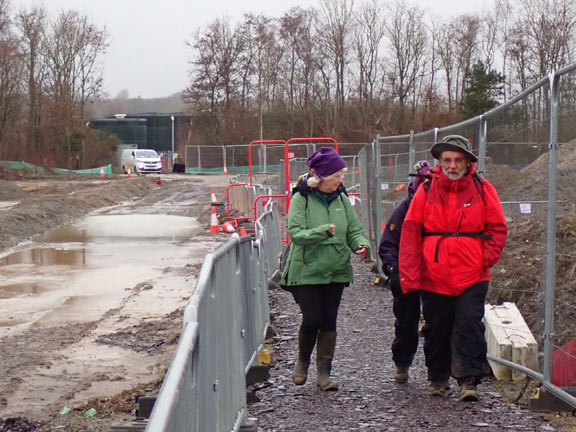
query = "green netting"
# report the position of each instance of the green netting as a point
(94, 171)
(25, 166)
(22, 166)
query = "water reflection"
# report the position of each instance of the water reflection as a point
(46, 256)
(98, 254)
(8, 291)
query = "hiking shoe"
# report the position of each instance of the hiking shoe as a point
(438, 388)
(468, 391)
(401, 374)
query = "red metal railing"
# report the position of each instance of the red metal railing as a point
(250, 152)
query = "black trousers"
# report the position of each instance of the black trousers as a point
(406, 308)
(454, 342)
(319, 305)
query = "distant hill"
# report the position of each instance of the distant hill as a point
(100, 108)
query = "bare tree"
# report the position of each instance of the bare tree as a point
(502, 16)
(458, 48)
(300, 54)
(408, 39)
(334, 28)
(488, 40)
(4, 18)
(546, 29)
(32, 25)
(73, 48)
(369, 35)
(215, 65)
(10, 73)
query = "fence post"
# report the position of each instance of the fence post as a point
(377, 191)
(482, 145)
(411, 153)
(551, 242)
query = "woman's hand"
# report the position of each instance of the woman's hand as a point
(362, 252)
(333, 228)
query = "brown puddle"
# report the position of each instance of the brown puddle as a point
(78, 272)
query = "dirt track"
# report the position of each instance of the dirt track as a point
(29, 207)
(104, 363)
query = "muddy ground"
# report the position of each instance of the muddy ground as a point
(43, 369)
(32, 206)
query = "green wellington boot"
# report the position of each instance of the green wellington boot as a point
(324, 355)
(306, 344)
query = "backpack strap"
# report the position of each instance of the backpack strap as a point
(478, 183)
(443, 235)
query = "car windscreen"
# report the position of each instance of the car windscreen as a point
(146, 154)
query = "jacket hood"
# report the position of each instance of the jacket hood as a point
(303, 188)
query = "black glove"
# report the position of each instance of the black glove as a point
(389, 270)
(394, 282)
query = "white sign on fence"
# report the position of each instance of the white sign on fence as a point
(525, 208)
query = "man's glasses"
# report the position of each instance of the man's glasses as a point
(448, 161)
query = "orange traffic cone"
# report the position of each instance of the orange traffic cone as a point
(102, 171)
(213, 197)
(214, 222)
(129, 173)
(228, 228)
(243, 232)
(225, 170)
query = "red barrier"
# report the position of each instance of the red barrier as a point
(286, 164)
(235, 219)
(250, 152)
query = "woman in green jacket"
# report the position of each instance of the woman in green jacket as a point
(323, 228)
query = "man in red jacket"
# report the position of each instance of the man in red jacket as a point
(454, 232)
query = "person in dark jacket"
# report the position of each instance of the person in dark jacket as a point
(406, 307)
(453, 233)
(323, 229)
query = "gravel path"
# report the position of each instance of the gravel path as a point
(369, 399)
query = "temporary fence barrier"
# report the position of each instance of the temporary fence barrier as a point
(224, 327)
(509, 141)
(263, 144)
(500, 137)
(240, 198)
(281, 201)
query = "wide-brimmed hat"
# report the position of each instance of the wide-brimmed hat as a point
(453, 143)
(325, 162)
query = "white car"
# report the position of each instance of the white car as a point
(140, 161)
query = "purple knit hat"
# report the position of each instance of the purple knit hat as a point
(422, 169)
(325, 162)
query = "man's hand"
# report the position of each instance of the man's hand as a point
(333, 228)
(362, 252)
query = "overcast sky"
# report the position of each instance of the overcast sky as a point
(148, 55)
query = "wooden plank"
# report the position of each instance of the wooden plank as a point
(508, 337)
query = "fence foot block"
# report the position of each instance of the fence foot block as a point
(248, 426)
(144, 405)
(128, 426)
(257, 373)
(546, 401)
(251, 397)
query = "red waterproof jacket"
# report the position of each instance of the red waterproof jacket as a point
(453, 233)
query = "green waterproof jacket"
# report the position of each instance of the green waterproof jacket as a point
(317, 256)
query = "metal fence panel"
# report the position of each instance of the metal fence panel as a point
(224, 326)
